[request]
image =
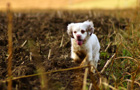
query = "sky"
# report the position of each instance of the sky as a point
(69, 4)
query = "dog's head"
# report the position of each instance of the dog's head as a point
(80, 31)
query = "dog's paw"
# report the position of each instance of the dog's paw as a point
(92, 69)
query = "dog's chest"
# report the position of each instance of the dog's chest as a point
(81, 51)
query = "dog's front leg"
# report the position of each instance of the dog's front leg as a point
(91, 62)
(74, 56)
(89, 56)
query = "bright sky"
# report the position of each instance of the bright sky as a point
(106, 4)
(69, 4)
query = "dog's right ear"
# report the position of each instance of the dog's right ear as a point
(69, 30)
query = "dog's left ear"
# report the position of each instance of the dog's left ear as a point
(90, 27)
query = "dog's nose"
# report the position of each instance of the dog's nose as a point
(78, 36)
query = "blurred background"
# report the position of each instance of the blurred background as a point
(69, 4)
(41, 44)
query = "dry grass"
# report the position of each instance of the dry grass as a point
(127, 61)
(10, 46)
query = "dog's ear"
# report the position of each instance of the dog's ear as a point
(90, 27)
(69, 30)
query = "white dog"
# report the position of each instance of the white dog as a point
(84, 43)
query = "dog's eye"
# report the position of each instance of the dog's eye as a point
(82, 31)
(75, 32)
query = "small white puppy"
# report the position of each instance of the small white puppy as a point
(84, 43)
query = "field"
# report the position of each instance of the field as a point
(41, 50)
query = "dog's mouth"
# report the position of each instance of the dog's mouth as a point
(79, 42)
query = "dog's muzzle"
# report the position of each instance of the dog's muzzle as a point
(79, 40)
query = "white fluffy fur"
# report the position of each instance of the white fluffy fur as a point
(88, 46)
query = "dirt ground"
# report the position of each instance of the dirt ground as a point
(36, 34)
